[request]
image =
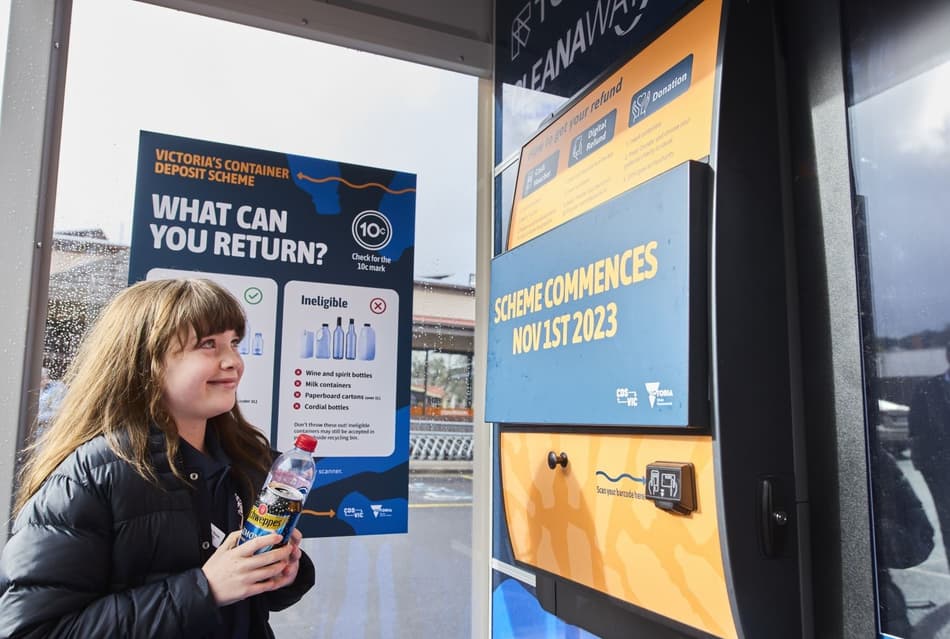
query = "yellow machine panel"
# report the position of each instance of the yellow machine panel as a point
(589, 521)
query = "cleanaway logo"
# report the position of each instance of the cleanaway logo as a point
(658, 396)
(520, 31)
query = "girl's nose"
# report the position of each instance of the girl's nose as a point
(231, 359)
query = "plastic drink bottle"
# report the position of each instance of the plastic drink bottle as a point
(367, 343)
(257, 346)
(323, 343)
(351, 341)
(306, 345)
(281, 500)
(245, 346)
(338, 339)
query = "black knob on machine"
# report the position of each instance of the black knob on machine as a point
(557, 460)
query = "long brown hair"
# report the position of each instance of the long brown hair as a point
(114, 385)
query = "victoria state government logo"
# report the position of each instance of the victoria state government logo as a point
(380, 511)
(658, 396)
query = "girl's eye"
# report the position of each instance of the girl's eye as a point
(206, 343)
(235, 343)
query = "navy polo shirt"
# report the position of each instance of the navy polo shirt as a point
(216, 497)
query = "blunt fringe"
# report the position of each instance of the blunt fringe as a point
(114, 384)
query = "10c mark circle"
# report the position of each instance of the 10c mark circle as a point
(372, 230)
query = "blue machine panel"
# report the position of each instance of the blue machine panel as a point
(601, 321)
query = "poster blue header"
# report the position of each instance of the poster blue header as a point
(250, 210)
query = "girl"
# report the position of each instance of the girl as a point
(125, 496)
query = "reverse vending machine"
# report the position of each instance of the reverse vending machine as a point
(640, 365)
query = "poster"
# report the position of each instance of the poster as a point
(319, 253)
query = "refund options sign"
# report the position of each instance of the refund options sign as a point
(653, 113)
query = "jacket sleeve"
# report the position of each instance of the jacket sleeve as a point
(291, 594)
(55, 576)
(904, 535)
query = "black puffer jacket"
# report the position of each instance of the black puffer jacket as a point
(101, 552)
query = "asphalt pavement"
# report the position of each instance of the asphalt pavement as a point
(394, 586)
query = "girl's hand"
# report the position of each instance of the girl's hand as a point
(289, 573)
(235, 573)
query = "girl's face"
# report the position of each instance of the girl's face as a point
(201, 378)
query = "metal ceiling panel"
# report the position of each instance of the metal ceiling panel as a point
(451, 34)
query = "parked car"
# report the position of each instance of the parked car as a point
(892, 431)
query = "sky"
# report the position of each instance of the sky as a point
(135, 66)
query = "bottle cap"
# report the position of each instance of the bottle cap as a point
(306, 442)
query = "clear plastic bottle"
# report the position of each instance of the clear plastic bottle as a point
(257, 346)
(338, 339)
(323, 342)
(367, 343)
(351, 340)
(281, 500)
(306, 344)
(245, 346)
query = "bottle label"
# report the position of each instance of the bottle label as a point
(263, 521)
(275, 511)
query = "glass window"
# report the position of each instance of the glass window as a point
(441, 385)
(504, 195)
(522, 112)
(135, 66)
(899, 119)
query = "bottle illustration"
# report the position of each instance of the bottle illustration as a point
(338, 339)
(281, 499)
(351, 340)
(367, 343)
(257, 345)
(306, 344)
(245, 346)
(323, 343)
